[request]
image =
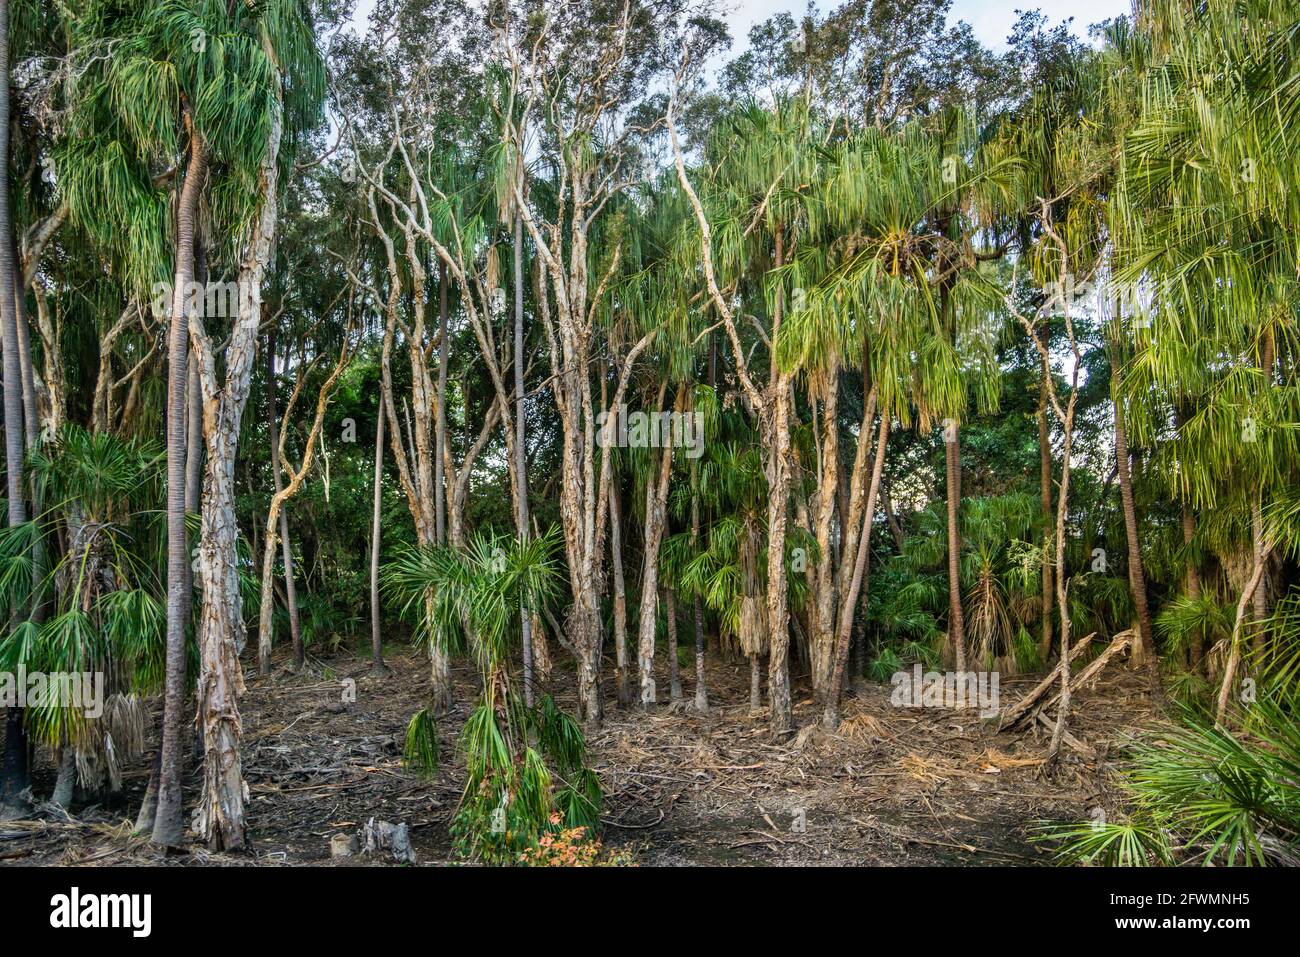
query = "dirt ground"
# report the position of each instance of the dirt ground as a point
(896, 786)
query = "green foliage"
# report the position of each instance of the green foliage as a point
(420, 752)
(1197, 793)
(99, 546)
(525, 765)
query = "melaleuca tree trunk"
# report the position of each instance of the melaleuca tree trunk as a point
(778, 610)
(220, 817)
(1045, 502)
(834, 693)
(376, 639)
(656, 519)
(622, 673)
(440, 420)
(697, 606)
(265, 632)
(521, 432)
(822, 617)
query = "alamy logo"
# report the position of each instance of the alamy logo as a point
(55, 689)
(103, 910)
(210, 300)
(620, 428)
(951, 689)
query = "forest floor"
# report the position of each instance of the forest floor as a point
(896, 786)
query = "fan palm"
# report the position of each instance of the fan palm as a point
(525, 763)
(105, 592)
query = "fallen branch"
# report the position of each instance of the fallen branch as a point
(1015, 712)
(1030, 703)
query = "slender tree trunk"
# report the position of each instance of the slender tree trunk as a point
(169, 826)
(15, 770)
(952, 470)
(674, 670)
(834, 694)
(1234, 654)
(144, 821)
(194, 445)
(377, 665)
(266, 634)
(193, 495)
(31, 416)
(778, 671)
(1062, 506)
(656, 501)
(780, 718)
(1136, 573)
(755, 682)
(1260, 602)
(193, 470)
(822, 619)
(1192, 588)
(1063, 707)
(521, 432)
(1259, 599)
(221, 631)
(220, 816)
(701, 684)
(440, 426)
(622, 673)
(891, 517)
(1045, 501)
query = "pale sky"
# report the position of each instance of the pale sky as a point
(990, 19)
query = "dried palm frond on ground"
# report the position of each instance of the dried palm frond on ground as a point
(891, 786)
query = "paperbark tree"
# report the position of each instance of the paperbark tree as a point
(377, 665)
(264, 631)
(275, 512)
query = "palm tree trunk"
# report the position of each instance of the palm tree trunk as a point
(194, 439)
(674, 670)
(952, 470)
(193, 494)
(15, 770)
(1192, 588)
(1136, 573)
(31, 418)
(377, 665)
(168, 825)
